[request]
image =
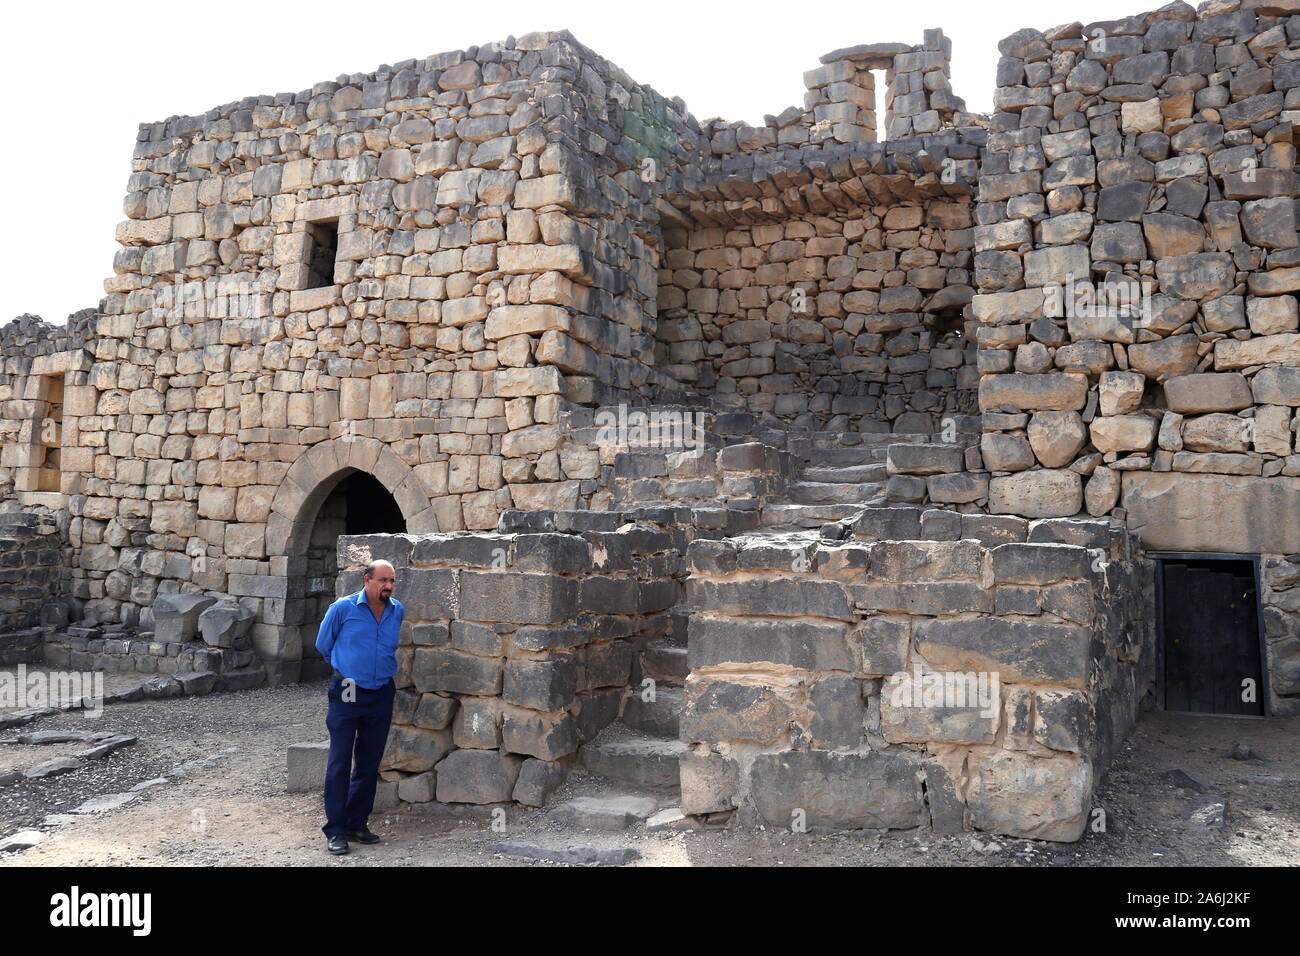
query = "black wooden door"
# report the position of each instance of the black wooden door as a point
(1211, 636)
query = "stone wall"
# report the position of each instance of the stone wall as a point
(1150, 163)
(808, 696)
(33, 570)
(851, 318)
(517, 647)
(1280, 600)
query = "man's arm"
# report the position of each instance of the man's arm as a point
(328, 632)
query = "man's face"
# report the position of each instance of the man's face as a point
(379, 584)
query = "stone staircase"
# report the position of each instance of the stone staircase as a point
(634, 761)
(804, 482)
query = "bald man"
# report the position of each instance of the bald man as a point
(358, 636)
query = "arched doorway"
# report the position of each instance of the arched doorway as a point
(358, 504)
(309, 491)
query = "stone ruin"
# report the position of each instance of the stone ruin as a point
(705, 452)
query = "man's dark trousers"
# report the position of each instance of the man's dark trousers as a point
(358, 732)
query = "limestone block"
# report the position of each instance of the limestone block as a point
(1037, 494)
(1055, 437)
(1207, 392)
(1120, 433)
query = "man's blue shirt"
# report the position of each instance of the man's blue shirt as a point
(358, 646)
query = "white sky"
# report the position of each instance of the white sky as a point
(84, 76)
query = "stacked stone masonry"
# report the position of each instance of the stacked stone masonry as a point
(883, 334)
(517, 648)
(808, 691)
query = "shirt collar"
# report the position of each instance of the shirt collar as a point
(359, 597)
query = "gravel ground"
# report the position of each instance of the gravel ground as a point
(234, 810)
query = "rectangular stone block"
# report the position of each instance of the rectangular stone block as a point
(517, 598)
(1016, 650)
(449, 670)
(794, 643)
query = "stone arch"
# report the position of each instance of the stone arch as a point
(310, 479)
(304, 488)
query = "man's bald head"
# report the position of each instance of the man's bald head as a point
(380, 578)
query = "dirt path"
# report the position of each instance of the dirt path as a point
(229, 805)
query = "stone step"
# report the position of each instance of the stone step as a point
(808, 516)
(822, 492)
(663, 660)
(844, 457)
(635, 760)
(606, 811)
(657, 718)
(847, 474)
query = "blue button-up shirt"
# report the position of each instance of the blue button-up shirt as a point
(356, 645)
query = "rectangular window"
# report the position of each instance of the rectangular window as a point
(324, 250)
(49, 435)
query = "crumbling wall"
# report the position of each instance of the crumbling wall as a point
(33, 573)
(1146, 166)
(809, 701)
(847, 317)
(516, 647)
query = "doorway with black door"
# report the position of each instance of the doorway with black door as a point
(1210, 641)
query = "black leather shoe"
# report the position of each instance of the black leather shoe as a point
(363, 836)
(337, 845)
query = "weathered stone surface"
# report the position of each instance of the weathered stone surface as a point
(1249, 515)
(1207, 392)
(1056, 437)
(1016, 649)
(923, 459)
(708, 782)
(1276, 386)
(1022, 796)
(176, 616)
(544, 736)
(1216, 432)
(226, 624)
(1121, 433)
(537, 780)
(797, 644)
(1102, 491)
(945, 708)
(1165, 359)
(1057, 391)
(415, 749)
(1006, 452)
(306, 766)
(1043, 493)
(477, 776)
(1278, 349)
(840, 790)
(449, 670)
(718, 710)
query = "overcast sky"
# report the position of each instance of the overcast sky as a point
(82, 78)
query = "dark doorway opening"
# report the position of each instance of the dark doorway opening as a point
(1210, 638)
(358, 504)
(324, 236)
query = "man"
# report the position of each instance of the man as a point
(359, 638)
